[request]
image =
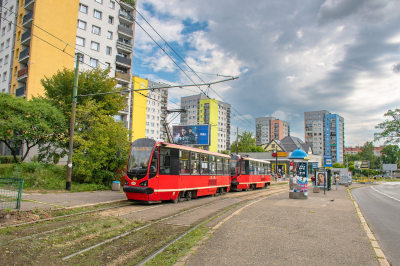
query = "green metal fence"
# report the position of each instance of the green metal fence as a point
(10, 193)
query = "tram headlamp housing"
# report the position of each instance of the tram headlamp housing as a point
(144, 183)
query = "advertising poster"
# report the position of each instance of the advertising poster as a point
(302, 177)
(321, 176)
(191, 135)
(361, 164)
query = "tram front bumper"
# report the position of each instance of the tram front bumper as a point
(145, 190)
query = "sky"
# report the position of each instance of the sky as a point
(289, 56)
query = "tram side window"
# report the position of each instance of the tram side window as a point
(262, 167)
(226, 167)
(213, 165)
(255, 167)
(194, 163)
(243, 167)
(251, 168)
(220, 165)
(204, 164)
(165, 161)
(268, 169)
(184, 162)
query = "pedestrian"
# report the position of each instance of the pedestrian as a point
(312, 180)
(284, 177)
(337, 182)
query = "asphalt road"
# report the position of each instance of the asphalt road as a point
(380, 205)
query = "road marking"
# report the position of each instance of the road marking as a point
(378, 251)
(385, 194)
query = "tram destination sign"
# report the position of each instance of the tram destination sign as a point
(191, 135)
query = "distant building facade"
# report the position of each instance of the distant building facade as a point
(201, 110)
(357, 149)
(325, 133)
(269, 128)
(148, 109)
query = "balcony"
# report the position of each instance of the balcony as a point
(127, 4)
(125, 17)
(26, 38)
(123, 61)
(24, 56)
(28, 19)
(123, 77)
(125, 31)
(22, 75)
(21, 92)
(125, 47)
(29, 4)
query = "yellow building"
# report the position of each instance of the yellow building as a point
(148, 108)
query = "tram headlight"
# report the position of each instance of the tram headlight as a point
(144, 184)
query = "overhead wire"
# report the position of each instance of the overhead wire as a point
(167, 44)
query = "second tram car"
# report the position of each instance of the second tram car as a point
(159, 171)
(248, 173)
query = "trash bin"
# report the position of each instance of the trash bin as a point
(116, 186)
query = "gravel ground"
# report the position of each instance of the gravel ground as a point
(283, 231)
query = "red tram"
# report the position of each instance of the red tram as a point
(248, 173)
(158, 171)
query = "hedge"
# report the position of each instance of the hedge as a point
(8, 159)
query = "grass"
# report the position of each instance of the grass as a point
(45, 177)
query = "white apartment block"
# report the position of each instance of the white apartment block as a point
(7, 39)
(155, 117)
(105, 34)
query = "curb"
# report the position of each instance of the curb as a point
(374, 243)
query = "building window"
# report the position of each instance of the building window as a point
(112, 4)
(108, 50)
(94, 62)
(96, 30)
(4, 76)
(83, 8)
(3, 31)
(81, 58)
(80, 41)
(109, 35)
(111, 20)
(1, 46)
(8, 42)
(95, 46)
(1, 62)
(99, 1)
(108, 65)
(97, 14)
(6, 60)
(9, 26)
(81, 24)
(5, 15)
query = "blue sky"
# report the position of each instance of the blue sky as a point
(290, 57)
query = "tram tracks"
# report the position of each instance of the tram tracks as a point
(156, 233)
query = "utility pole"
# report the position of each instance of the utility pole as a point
(237, 140)
(71, 130)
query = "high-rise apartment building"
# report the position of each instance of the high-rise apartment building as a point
(41, 36)
(201, 110)
(269, 128)
(7, 39)
(101, 30)
(148, 109)
(325, 132)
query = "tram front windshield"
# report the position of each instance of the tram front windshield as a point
(233, 164)
(139, 158)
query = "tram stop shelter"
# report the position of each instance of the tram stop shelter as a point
(298, 182)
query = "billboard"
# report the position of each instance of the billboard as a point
(191, 135)
(361, 164)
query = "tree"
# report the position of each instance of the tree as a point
(367, 151)
(338, 165)
(59, 89)
(390, 154)
(390, 128)
(26, 123)
(247, 143)
(97, 141)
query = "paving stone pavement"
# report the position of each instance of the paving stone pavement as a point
(321, 230)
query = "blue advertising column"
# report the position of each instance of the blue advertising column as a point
(299, 182)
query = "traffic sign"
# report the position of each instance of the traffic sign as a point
(314, 165)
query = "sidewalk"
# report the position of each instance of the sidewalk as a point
(322, 230)
(31, 201)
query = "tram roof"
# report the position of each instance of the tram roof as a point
(186, 148)
(254, 160)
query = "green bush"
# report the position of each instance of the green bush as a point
(8, 159)
(40, 176)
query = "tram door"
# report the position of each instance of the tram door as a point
(168, 170)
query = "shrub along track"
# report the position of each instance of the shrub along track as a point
(112, 236)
